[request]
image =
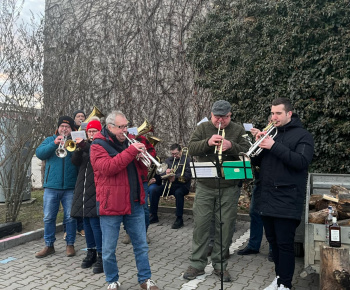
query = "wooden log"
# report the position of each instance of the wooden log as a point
(313, 199)
(322, 204)
(318, 217)
(337, 189)
(344, 223)
(334, 268)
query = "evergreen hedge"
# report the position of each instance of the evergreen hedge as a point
(250, 52)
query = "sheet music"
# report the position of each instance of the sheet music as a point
(247, 126)
(132, 131)
(203, 170)
(78, 134)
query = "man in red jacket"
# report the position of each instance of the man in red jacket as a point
(120, 197)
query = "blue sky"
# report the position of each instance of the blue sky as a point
(36, 6)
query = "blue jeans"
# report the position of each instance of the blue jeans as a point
(52, 200)
(145, 206)
(151, 188)
(93, 233)
(135, 227)
(256, 226)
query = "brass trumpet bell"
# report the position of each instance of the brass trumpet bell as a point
(95, 113)
(70, 145)
(144, 128)
(153, 140)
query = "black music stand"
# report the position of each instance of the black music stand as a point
(215, 169)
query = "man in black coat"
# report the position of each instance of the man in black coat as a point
(280, 196)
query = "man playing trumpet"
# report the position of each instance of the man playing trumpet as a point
(206, 205)
(178, 182)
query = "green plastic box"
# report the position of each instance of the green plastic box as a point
(237, 170)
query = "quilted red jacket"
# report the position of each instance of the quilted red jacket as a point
(111, 176)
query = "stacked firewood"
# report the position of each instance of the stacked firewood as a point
(338, 198)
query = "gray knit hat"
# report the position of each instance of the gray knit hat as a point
(221, 108)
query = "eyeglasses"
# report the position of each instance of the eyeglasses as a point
(222, 117)
(120, 126)
(64, 126)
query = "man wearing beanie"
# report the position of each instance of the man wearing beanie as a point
(79, 117)
(59, 183)
(84, 201)
(203, 142)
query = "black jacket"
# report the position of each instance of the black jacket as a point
(84, 200)
(283, 172)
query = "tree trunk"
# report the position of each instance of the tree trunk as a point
(334, 268)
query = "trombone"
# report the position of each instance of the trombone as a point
(168, 184)
(147, 158)
(181, 178)
(255, 150)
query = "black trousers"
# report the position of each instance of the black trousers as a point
(178, 190)
(280, 233)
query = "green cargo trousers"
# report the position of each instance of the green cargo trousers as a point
(206, 204)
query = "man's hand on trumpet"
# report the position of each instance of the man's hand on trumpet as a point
(216, 140)
(267, 143)
(140, 147)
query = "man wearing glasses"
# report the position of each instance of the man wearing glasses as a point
(60, 178)
(203, 142)
(120, 197)
(178, 184)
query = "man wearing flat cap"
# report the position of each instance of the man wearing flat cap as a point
(59, 183)
(206, 205)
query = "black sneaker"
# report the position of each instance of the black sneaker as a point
(270, 256)
(89, 259)
(153, 219)
(179, 223)
(98, 267)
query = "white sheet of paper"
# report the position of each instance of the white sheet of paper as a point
(203, 170)
(203, 120)
(78, 134)
(132, 131)
(248, 126)
(83, 125)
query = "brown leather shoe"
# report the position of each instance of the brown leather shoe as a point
(45, 252)
(70, 251)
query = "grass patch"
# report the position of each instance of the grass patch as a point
(31, 214)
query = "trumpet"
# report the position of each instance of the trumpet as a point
(147, 158)
(61, 152)
(255, 150)
(222, 131)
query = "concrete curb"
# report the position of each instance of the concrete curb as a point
(14, 241)
(20, 239)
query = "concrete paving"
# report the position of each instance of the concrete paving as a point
(169, 253)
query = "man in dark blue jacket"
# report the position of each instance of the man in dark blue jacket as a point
(280, 196)
(59, 183)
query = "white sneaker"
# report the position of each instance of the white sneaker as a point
(273, 285)
(113, 285)
(282, 287)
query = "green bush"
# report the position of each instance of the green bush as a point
(251, 52)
